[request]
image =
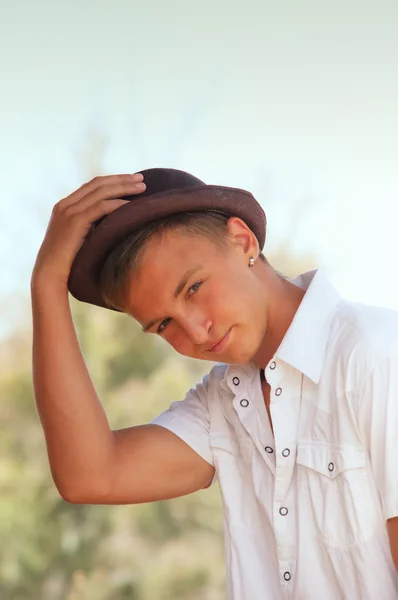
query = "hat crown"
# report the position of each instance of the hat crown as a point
(162, 180)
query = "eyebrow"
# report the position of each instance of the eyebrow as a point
(183, 281)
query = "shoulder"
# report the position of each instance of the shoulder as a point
(217, 374)
(361, 336)
(212, 381)
(210, 384)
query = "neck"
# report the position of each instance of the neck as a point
(284, 300)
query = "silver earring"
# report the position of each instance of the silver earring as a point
(251, 261)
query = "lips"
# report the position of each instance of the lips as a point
(222, 343)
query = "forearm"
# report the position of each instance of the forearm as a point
(78, 437)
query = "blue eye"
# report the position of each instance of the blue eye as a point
(192, 290)
(163, 325)
(194, 287)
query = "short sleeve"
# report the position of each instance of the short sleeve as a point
(378, 417)
(189, 419)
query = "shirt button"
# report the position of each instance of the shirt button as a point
(283, 511)
(269, 449)
(272, 365)
(236, 380)
(244, 402)
(287, 576)
(331, 467)
(278, 391)
(285, 452)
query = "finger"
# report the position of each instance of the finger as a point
(107, 193)
(99, 182)
(101, 209)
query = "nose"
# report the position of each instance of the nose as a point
(197, 329)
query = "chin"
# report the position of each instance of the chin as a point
(240, 351)
(241, 356)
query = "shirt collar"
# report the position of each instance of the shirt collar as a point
(304, 344)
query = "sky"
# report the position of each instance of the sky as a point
(295, 101)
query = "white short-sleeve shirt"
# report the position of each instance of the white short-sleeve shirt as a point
(305, 509)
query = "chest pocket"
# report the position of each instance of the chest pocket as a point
(335, 493)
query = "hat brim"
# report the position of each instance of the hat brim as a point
(84, 277)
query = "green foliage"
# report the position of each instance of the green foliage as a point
(114, 346)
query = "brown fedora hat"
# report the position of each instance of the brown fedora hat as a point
(168, 191)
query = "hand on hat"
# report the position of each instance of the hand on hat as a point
(71, 220)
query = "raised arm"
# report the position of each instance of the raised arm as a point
(89, 462)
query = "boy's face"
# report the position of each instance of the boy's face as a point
(202, 298)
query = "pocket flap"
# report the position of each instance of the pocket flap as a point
(330, 459)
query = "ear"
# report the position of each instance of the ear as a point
(242, 237)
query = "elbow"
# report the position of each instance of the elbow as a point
(72, 497)
(82, 495)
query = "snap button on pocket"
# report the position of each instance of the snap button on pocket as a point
(330, 459)
(334, 483)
